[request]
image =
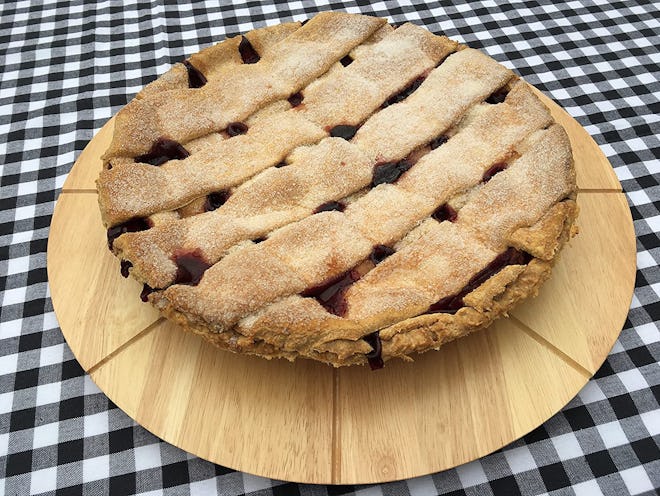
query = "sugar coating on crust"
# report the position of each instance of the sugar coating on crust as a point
(325, 225)
(271, 137)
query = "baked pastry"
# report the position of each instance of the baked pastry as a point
(340, 190)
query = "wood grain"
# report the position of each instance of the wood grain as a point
(98, 310)
(448, 407)
(306, 422)
(600, 296)
(269, 418)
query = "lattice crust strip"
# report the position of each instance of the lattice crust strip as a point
(131, 189)
(430, 268)
(364, 193)
(213, 60)
(240, 90)
(510, 200)
(347, 167)
(209, 61)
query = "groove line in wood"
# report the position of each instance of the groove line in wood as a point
(336, 429)
(599, 190)
(552, 348)
(128, 343)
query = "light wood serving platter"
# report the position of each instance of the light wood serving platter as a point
(307, 422)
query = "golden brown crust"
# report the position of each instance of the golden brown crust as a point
(503, 166)
(239, 90)
(490, 301)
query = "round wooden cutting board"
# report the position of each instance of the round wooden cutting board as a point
(308, 422)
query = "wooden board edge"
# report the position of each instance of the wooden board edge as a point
(98, 371)
(336, 477)
(583, 378)
(58, 299)
(578, 134)
(627, 234)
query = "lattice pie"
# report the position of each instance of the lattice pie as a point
(341, 190)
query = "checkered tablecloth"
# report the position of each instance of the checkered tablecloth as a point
(68, 66)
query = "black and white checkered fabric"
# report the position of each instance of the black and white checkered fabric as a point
(68, 66)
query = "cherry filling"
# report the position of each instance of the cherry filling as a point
(453, 303)
(380, 253)
(389, 172)
(163, 149)
(190, 267)
(445, 212)
(498, 96)
(346, 60)
(132, 225)
(450, 304)
(374, 357)
(404, 93)
(146, 291)
(296, 99)
(330, 206)
(494, 169)
(236, 128)
(216, 200)
(439, 141)
(195, 77)
(248, 54)
(345, 131)
(125, 265)
(330, 294)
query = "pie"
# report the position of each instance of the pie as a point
(341, 190)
